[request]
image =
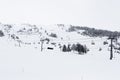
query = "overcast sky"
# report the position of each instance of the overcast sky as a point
(93, 13)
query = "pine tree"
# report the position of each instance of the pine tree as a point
(64, 48)
(68, 48)
(73, 47)
(80, 48)
(1, 34)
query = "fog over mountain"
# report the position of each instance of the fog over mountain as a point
(100, 14)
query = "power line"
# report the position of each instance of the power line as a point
(79, 40)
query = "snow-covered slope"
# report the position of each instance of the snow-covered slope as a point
(21, 57)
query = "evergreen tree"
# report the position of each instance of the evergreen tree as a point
(68, 48)
(73, 47)
(1, 34)
(64, 48)
(80, 48)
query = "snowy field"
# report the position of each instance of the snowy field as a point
(59, 39)
(27, 63)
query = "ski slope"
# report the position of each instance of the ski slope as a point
(29, 63)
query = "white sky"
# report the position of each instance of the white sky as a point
(93, 13)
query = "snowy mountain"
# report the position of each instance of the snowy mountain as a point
(39, 52)
(58, 35)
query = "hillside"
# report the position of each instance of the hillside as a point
(57, 36)
(35, 52)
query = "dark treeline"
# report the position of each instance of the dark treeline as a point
(92, 32)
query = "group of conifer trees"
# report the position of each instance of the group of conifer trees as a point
(75, 48)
